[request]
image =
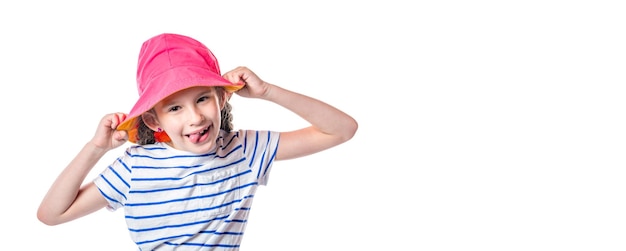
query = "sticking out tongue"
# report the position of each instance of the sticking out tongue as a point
(197, 137)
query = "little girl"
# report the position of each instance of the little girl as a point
(189, 181)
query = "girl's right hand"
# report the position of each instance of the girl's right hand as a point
(107, 137)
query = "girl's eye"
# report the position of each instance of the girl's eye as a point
(203, 98)
(173, 109)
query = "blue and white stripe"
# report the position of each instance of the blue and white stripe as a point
(177, 200)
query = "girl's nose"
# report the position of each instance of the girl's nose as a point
(196, 117)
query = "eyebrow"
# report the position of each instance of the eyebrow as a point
(207, 91)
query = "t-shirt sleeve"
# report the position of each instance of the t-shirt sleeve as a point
(114, 181)
(260, 151)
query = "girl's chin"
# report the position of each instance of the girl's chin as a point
(200, 148)
(193, 148)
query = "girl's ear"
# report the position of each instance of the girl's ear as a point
(225, 97)
(150, 120)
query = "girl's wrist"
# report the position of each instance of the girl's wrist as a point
(94, 149)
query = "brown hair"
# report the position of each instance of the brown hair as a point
(145, 135)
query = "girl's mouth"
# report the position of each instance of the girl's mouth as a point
(199, 136)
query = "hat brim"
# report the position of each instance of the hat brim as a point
(168, 83)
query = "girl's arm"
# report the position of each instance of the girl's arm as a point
(67, 199)
(329, 125)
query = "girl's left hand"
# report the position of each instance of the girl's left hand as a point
(254, 87)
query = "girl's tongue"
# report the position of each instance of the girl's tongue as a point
(197, 137)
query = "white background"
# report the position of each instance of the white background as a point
(484, 125)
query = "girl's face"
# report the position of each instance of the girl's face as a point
(191, 118)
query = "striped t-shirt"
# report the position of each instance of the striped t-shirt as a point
(178, 200)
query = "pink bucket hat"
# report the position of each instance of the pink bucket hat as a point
(169, 63)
